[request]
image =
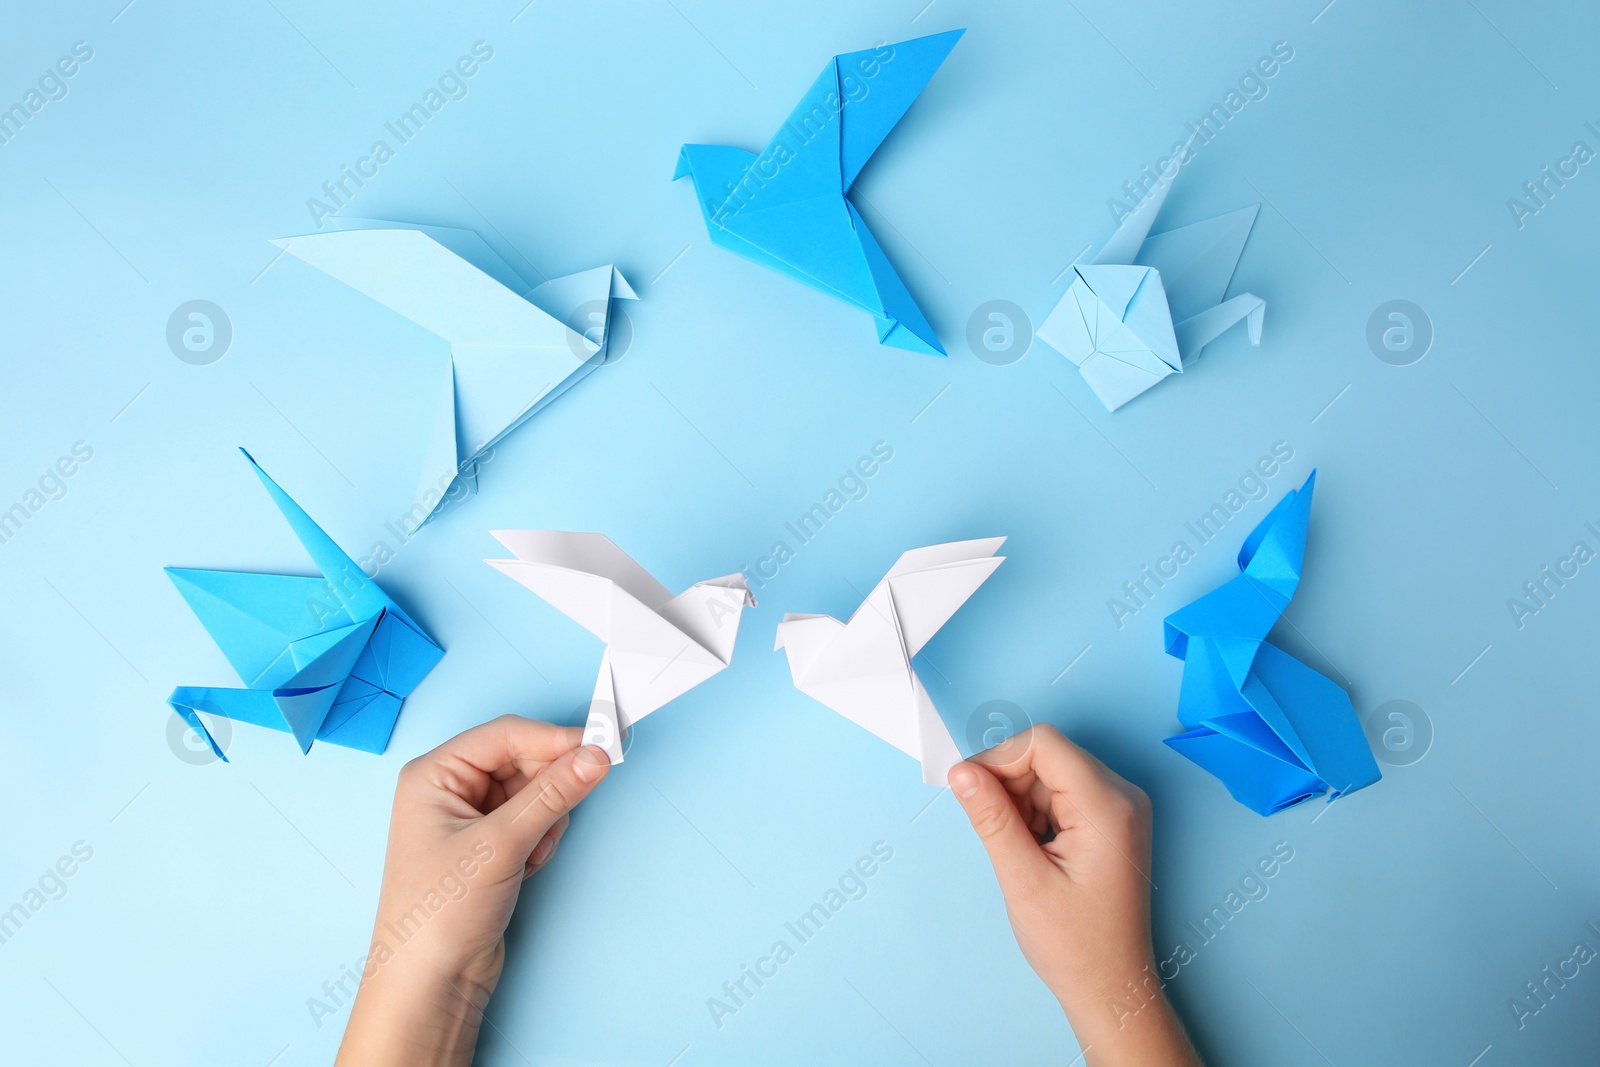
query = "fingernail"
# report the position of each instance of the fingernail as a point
(590, 763)
(964, 780)
(541, 852)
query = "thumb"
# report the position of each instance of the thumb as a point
(1019, 864)
(521, 822)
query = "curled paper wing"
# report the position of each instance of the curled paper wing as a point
(657, 646)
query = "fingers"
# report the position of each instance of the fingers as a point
(487, 762)
(510, 740)
(522, 821)
(1019, 864)
(546, 848)
(1059, 765)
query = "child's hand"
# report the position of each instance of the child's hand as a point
(1079, 904)
(472, 819)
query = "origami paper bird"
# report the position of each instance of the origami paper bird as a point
(510, 354)
(787, 207)
(1142, 309)
(658, 646)
(862, 668)
(327, 658)
(1274, 730)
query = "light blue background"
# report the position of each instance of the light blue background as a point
(219, 898)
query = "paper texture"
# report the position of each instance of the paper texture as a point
(1274, 730)
(862, 668)
(786, 208)
(510, 354)
(1143, 307)
(327, 658)
(658, 646)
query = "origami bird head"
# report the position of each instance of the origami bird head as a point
(1143, 307)
(327, 659)
(786, 209)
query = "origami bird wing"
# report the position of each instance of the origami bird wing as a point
(1197, 261)
(657, 646)
(511, 355)
(862, 668)
(323, 658)
(785, 208)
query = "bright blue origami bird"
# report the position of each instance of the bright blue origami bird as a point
(786, 208)
(326, 658)
(1274, 730)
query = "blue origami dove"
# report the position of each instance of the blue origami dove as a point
(511, 354)
(786, 208)
(326, 658)
(1274, 730)
(1142, 309)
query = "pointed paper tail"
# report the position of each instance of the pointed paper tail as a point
(605, 724)
(902, 324)
(939, 751)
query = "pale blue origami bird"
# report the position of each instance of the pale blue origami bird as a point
(786, 208)
(1142, 309)
(513, 350)
(1274, 730)
(326, 658)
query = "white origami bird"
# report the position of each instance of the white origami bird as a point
(658, 646)
(510, 354)
(862, 668)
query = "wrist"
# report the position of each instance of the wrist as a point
(1124, 1018)
(413, 1012)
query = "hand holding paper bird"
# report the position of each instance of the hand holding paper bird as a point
(1274, 730)
(658, 646)
(326, 658)
(510, 354)
(787, 207)
(1142, 309)
(862, 668)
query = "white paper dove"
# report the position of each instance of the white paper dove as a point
(510, 354)
(862, 668)
(658, 646)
